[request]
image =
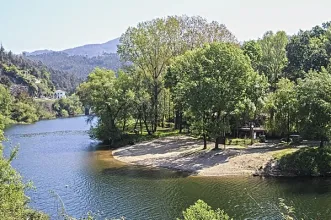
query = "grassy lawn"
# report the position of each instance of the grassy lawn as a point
(240, 142)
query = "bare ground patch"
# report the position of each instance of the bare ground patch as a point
(186, 154)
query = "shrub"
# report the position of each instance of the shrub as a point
(202, 211)
(307, 162)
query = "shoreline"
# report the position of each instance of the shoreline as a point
(186, 154)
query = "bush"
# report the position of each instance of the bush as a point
(307, 162)
(202, 211)
(24, 112)
(63, 113)
(12, 197)
(71, 105)
(30, 214)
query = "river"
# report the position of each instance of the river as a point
(65, 166)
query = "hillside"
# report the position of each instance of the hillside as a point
(79, 61)
(90, 50)
(78, 65)
(19, 73)
(93, 50)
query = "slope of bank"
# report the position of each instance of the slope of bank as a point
(186, 154)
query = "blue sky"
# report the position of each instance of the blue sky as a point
(27, 25)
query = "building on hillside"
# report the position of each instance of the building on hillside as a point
(59, 94)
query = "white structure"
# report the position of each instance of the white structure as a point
(59, 94)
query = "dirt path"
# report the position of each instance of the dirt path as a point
(186, 154)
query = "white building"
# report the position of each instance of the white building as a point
(59, 94)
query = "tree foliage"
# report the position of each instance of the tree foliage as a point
(314, 96)
(151, 45)
(283, 102)
(273, 59)
(202, 211)
(211, 82)
(110, 98)
(68, 106)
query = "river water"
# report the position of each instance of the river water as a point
(66, 167)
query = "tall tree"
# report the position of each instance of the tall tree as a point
(273, 58)
(283, 102)
(151, 45)
(308, 50)
(254, 51)
(110, 98)
(314, 96)
(211, 81)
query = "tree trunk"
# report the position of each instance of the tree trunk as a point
(164, 107)
(155, 107)
(216, 143)
(177, 120)
(272, 122)
(204, 141)
(180, 122)
(124, 124)
(169, 119)
(147, 129)
(322, 143)
(141, 126)
(136, 124)
(288, 125)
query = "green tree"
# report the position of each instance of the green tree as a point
(151, 45)
(273, 58)
(69, 106)
(110, 99)
(24, 112)
(308, 50)
(283, 103)
(5, 101)
(254, 51)
(211, 81)
(13, 202)
(314, 96)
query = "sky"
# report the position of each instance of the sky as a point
(28, 25)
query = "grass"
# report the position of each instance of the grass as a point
(132, 138)
(279, 154)
(240, 142)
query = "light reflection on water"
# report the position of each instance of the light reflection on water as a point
(58, 155)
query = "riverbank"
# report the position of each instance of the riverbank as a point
(186, 154)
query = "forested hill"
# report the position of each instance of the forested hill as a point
(17, 72)
(90, 50)
(78, 65)
(94, 50)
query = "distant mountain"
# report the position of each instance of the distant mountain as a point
(78, 62)
(90, 50)
(37, 52)
(78, 65)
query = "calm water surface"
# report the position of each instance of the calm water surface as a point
(58, 155)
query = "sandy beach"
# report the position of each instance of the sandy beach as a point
(186, 154)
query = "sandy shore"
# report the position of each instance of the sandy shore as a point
(186, 154)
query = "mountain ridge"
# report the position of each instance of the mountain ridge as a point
(89, 50)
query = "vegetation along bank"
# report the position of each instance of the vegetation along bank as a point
(208, 85)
